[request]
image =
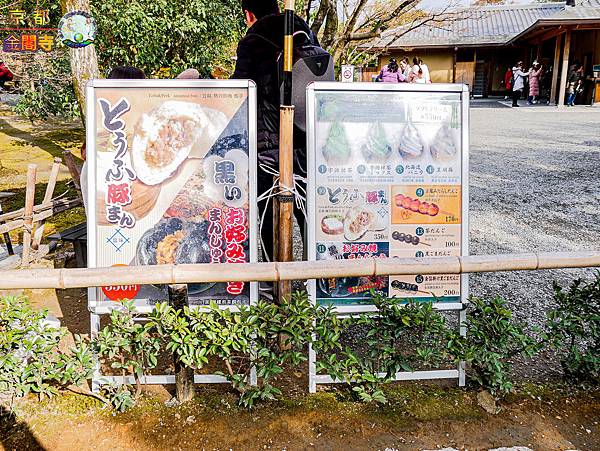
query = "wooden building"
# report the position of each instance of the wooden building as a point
(477, 45)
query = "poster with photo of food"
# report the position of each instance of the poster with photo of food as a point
(426, 204)
(427, 240)
(350, 290)
(427, 287)
(351, 213)
(409, 143)
(171, 181)
(389, 138)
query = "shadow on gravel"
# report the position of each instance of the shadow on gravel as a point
(15, 435)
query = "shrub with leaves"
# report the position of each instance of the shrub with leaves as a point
(399, 337)
(265, 336)
(130, 347)
(30, 358)
(493, 338)
(574, 328)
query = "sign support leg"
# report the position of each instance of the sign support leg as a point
(462, 317)
(312, 368)
(94, 331)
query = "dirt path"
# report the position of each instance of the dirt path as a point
(415, 419)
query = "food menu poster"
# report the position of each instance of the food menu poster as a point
(171, 185)
(388, 184)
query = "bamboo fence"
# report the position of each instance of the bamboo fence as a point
(282, 271)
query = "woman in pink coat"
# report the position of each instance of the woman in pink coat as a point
(391, 73)
(534, 83)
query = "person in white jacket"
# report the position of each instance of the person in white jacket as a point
(425, 70)
(518, 83)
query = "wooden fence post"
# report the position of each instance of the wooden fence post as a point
(74, 171)
(28, 213)
(39, 225)
(184, 375)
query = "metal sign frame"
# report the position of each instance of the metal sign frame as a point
(459, 307)
(97, 307)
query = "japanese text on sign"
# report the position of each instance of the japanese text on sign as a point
(118, 194)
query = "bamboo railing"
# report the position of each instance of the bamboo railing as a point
(259, 272)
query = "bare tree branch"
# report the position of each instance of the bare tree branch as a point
(307, 10)
(331, 25)
(321, 15)
(354, 17)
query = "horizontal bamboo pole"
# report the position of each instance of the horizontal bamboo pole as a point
(44, 214)
(53, 205)
(259, 272)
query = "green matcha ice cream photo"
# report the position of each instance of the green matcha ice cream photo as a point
(337, 150)
(376, 149)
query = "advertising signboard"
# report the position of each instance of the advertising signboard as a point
(171, 180)
(388, 178)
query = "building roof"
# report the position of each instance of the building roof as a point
(585, 10)
(487, 25)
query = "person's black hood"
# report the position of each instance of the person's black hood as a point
(271, 27)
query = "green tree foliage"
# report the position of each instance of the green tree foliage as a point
(168, 35)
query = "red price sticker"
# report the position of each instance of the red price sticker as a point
(120, 292)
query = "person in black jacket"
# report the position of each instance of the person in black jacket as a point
(257, 59)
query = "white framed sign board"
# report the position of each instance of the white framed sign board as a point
(387, 178)
(171, 180)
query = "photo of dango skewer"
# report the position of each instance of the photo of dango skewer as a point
(408, 238)
(416, 206)
(409, 287)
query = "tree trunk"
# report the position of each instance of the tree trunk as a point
(84, 61)
(184, 375)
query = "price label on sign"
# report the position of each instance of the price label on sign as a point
(120, 292)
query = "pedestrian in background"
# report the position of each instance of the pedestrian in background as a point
(391, 73)
(574, 83)
(535, 73)
(5, 74)
(425, 68)
(419, 77)
(258, 59)
(518, 83)
(508, 76)
(406, 68)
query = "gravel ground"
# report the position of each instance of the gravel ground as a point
(534, 186)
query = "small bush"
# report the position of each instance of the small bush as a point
(30, 358)
(399, 337)
(574, 329)
(130, 347)
(493, 338)
(266, 336)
